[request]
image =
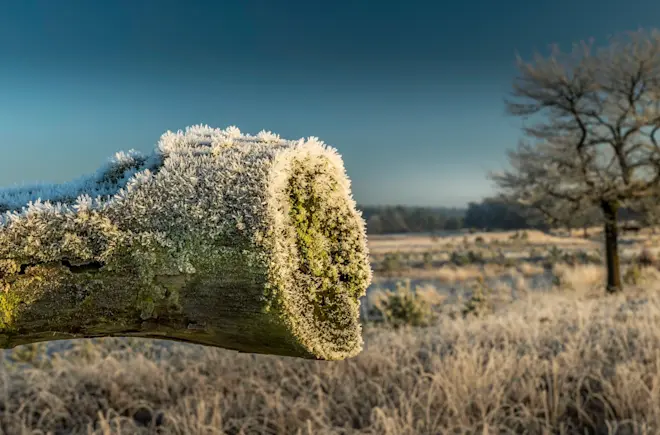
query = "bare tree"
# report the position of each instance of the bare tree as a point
(590, 137)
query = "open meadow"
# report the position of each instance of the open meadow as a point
(471, 333)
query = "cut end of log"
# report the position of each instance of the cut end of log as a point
(322, 258)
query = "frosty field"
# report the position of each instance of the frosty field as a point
(516, 336)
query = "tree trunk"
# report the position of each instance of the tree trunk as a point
(585, 232)
(251, 246)
(53, 302)
(610, 209)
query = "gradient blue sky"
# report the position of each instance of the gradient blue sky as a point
(411, 93)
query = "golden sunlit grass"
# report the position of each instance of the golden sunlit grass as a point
(528, 269)
(566, 361)
(414, 243)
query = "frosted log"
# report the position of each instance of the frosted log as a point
(251, 243)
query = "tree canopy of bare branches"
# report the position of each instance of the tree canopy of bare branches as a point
(592, 117)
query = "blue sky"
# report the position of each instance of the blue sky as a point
(410, 93)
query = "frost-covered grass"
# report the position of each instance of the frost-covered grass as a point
(468, 256)
(551, 363)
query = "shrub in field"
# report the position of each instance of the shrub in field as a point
(646, 258)
(392, 262)
(32, 354)
(427, 259)
(459, 258)
(465, 258)
(560, 278)
(404, 307)
(503, 260)
(585, 257)
(519, 235)
(633, 275)
(554, 256)
(475, 257)
(580, 258)
(479, 303)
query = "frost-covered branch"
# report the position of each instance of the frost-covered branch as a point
(246, 242)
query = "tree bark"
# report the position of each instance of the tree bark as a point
(52, 302)
(610, 209)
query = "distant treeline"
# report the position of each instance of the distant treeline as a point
(491, 214)
(405, 219)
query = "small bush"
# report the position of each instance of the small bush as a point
(459, 259)
(479, 240)
(518, 235)
(503, 260)
(559, 280)
(479, 303)
(584, 257)
(403, 307)
(392, 262)
(633, 275)
(555, 255)
(465, 258)
(475, 257)
(570, 258)
(646, 258)
(428, 260)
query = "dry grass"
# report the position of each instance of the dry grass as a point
(528, 269)
(566, 361)
(380, 244)
(581, 278)
(452, 274)
(551, 363)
